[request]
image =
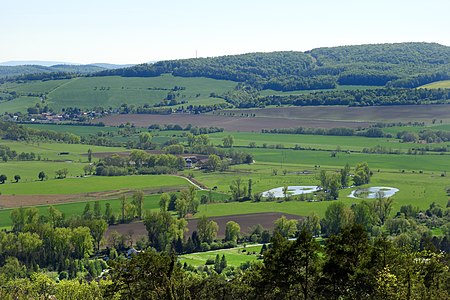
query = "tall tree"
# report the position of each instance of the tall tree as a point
(362, 174)
(98, 228)
(138, 202)
(232, 231)
(228, 141)
(164, 201)
(207, 230)
(286, 228)
(89, 155)
(337, 217)
(291, 267)
(123, 203)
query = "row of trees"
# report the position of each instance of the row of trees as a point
(363, 97)
(13, 131)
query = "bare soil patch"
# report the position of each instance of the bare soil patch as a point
(12, 201)
(404, 113)
(249, 124)
(136, 230)
(246, 221)
(293, 116)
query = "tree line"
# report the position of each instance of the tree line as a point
(363, 97)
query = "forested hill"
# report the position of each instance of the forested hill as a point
(393, 65)
(36, 71)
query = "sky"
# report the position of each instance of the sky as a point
(137, 31)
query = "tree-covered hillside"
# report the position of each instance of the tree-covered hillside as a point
(30, 72)
(396, 65)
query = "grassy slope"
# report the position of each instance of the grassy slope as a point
(19, 104)
(113, 91)
(444, 84)
(34, 86)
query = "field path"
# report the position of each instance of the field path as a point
(60, 86)
(193, 183)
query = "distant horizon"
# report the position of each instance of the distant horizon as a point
(51, 62)
(134, 32)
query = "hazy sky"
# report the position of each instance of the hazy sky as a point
(134, 31)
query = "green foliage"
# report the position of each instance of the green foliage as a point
(362, 174)
(162, 229)
(207, 230)
(286, 228)
(290, 267)
(405, 64)
(337, 217)
(232, 231)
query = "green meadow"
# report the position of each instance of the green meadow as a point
(396, 162)
(92, 184)
(354, 143)
(52, 151)
(19, 104)
(422, 179)
(29, 170)
(113, 91)
(151, 202)
(234, 256)
(416, 189)
(77, 130)
(444, 84)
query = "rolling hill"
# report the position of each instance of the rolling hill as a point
(12, 69)
(394, 65)
(364, 75)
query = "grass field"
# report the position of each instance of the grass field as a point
(416, 189)
(151, 202)
(35, 87)
(112, 91)
(444, 84)
(51, 151)
(28, 170)
(312, 141)
(19, 104)
(92, 184)
(234, 256)
(396, 162)
(78, 130)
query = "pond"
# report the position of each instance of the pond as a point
(292, 190)
(374, 192)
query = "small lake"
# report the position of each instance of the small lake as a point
(292, 190)
(372, 192)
